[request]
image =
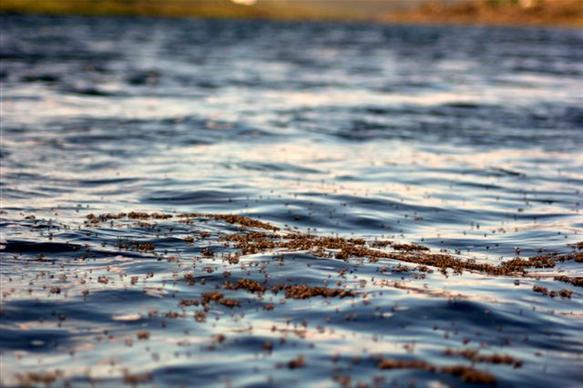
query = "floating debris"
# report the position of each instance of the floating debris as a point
(211, 272)
(475, 356)
(466, 373)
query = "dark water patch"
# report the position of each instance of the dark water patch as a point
(278, 167)
(90, 91)
(107, 181)
(41, 78)
(41, 341)
(193, 198)
(33, 247)
(29, 311)
(456, 121)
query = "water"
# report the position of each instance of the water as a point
(464, 140)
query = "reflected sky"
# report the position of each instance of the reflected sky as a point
(373, 132)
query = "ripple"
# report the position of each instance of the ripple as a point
(372, 132)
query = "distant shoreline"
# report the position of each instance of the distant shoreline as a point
(558, 13)
(519, 13)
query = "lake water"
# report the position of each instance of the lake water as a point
(465, 140)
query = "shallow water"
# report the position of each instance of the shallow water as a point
(464, 140)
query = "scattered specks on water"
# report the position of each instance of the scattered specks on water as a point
(199, 203)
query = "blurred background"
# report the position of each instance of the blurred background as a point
(538, 12)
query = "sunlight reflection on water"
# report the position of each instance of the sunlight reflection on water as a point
(373, 132)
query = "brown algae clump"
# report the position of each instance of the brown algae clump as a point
(576, 281)
(474, 356)
(246, 284)
(303, 291)
(250, 241)
(36, 378)
(229, 218)
(298, 362)
(563, 293)
(232, 219)
(138, 378)
(466, 373)
(346, 248)
(218, 297)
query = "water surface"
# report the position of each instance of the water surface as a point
(465, 140)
